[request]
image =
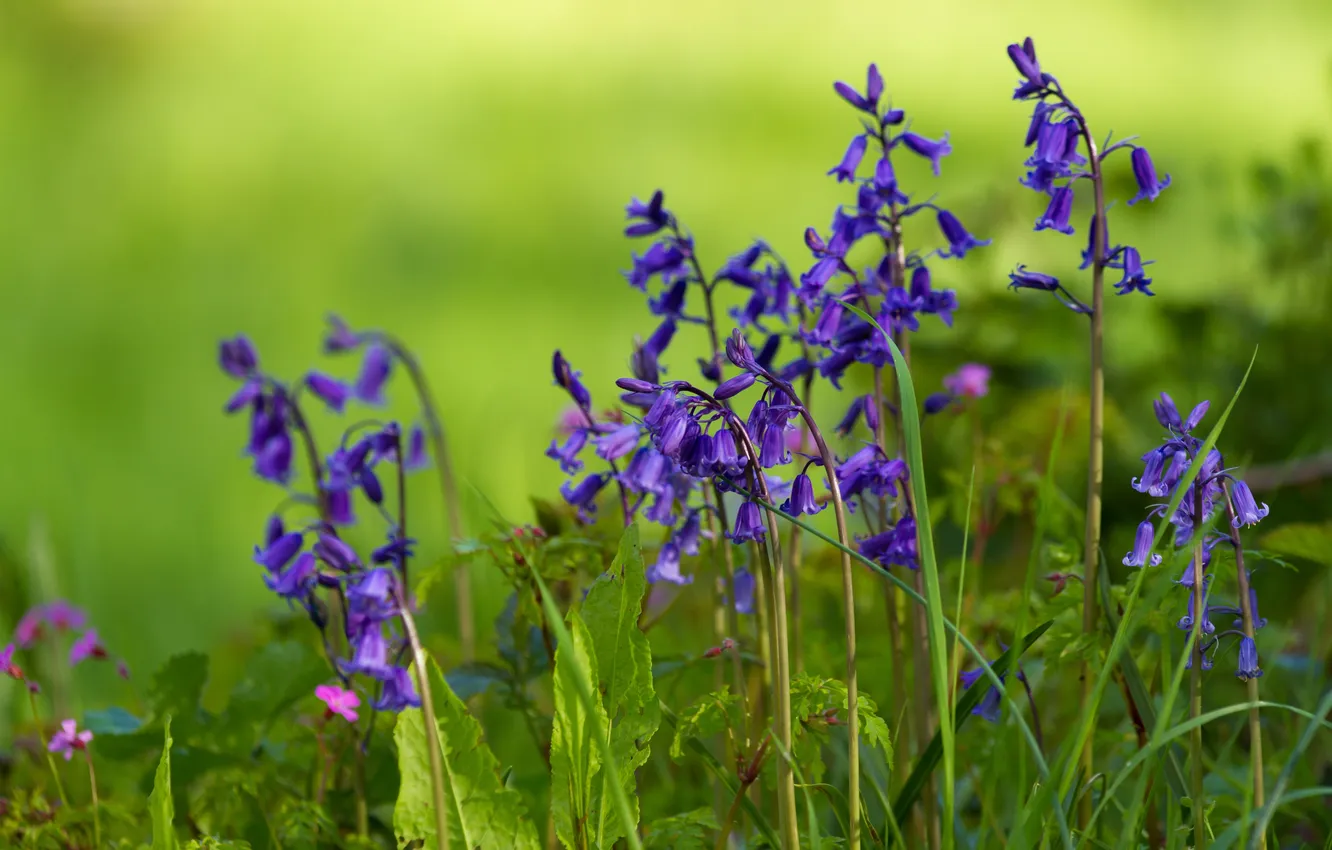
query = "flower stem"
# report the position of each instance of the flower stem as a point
(50, 759)
(1195, 678)
(774, 569)
(1095, 454)
(96, 804)
(1246, 611)
(448, 490)
(422, 673)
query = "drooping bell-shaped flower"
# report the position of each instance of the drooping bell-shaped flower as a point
(845, 171)
(801, 500)
(748, 523)
(1248, 660)
(928, 148)
(1247, 509)
(960, 241)
(1135, 276)
(1142, 546)
(1144, 172)
(374, 374)
(1058, 211)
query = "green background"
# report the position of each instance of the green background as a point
(172, 173)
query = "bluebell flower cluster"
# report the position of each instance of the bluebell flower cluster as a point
(676, 443)
(1213, 491)
(1063, 152)
(305, 565)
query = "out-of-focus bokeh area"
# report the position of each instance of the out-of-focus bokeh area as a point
(172, 173)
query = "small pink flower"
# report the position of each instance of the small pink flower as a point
(339, 701)
(59, 614)
(69, 739)
(970, 379)
(87, 646)
(29, 629)
(7, 665)
(65, 617)
(122, 669)
(571, 419)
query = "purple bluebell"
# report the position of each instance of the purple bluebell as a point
(801, 500)
(1144, 172)
(568, 380)
(1247, 509)
(665, 259)
(869, 101)
(339, 337)
(296, 580)
(238, 357)
(647, 218)
(370, 486)
(396, 551)
(744, 591)
(277, 552)
(938, 402)
(1089, 253)
(1258, 622)
(671, 302)
(616, 444)
(772, 447)
(1186, 622)
(1135, 278)
(417, 458)
(1057, 213)
(398, 692)
(330, 391)
(846, 169)
(339, 505)
(748, 523)
(959, 240)
(584, 495)
(335, 552)
(1248, 660)
(739, 352)
(273, 460)
(894, 547)
(928, 148)
(734, 386)
(885, 182)
(667, 566)
(729, 460)
(1024, 59)
(1023, 278)
(375, 369)
(991, 703)
(1142, 546)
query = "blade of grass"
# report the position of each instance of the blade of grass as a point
(929, 759)
(1091, 710)
(1270, 807)
(955, 653)
(929, 566)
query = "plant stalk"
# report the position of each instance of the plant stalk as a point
(1095, 454)
(1195, 677)
(96, 803)
(41, 736)
(1246, 612)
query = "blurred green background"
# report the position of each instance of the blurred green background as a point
(172, 173)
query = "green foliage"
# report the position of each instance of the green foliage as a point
(482, 812)
(161, 806)
(1311, 541)
(815, 701)
(575, 757)
(711, 713)
(688, 831)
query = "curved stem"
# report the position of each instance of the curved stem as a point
(96, 804)
(448, 488)
(1095, 456)
(1246, 611)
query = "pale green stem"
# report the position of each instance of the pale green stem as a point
(1246, 611)
(1195, 678)
(41, 736)
(96, 804)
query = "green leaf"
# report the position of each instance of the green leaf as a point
(624, 665)
(813, 701)
(1311, 541)
(710, 714)
(575, 753)
(482, 812)
(161, 808)
(275, 678)
(177, 689)
(111, 721)
(688, 831)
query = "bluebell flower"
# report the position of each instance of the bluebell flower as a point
(894, 547)
(1089, 253)
(1247, 510)
(584, 495)
(937, 402)
(567, 454)
(340, 337)
(748, 523)
(744, 591)
(667, 259)
(1186, 622)
(846, 169)
(1258, 622)
(959, 240)
(1057, 213)
(1024, 59)
(868, 102)
(687, 535)
(279, 551)
(729, 460)
(991, 703)
(339, 506)
(667, 566)
(398, 692)
(1135, 278)
(417, 458)
(330, 390)
(734, 386)
(1023, 278)
(928, 148)
(238, 357)
(370, 653)
(1248, 659)
(375, 369)
(885, 182)
(772, 447)
(619, 442)
(273, 461)
(1142, 545)
(671, 302)
(651, 217)
(335, 552)
(296, 580)
(568, 380)
(395, 551)
(370, 486)
(801, 500)
(1144, 172)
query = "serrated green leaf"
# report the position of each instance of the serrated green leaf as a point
(482, 812)
(575, 753)
(624, 666)
(710, 714)
(161, 808)
(812, 698)
(688, 831)
(1311, 541)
